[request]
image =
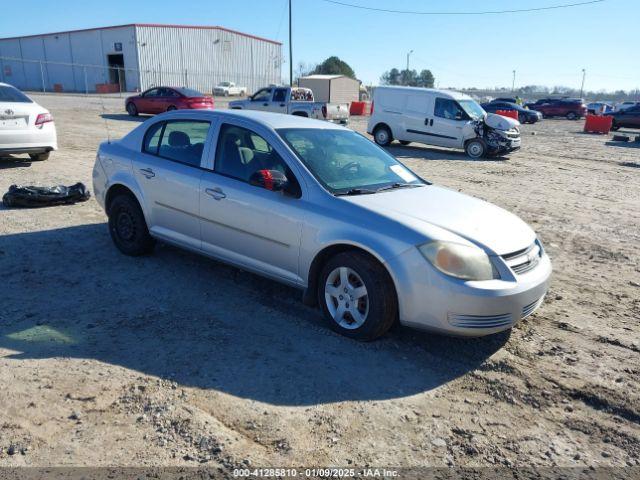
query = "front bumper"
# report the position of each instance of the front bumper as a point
(430, 300)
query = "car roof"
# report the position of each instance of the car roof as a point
(445, 93)
(269, 119)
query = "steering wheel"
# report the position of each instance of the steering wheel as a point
(351, 168)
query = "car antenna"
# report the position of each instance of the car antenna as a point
(104, 117)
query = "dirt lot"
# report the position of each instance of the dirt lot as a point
(174, 359)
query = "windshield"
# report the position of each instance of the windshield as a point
(11, 94)
(344, 161)
(473, 109)
(190, 92)
(224, 84)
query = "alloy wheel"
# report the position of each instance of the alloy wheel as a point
(346, 298)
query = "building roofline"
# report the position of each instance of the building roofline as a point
(157, 25)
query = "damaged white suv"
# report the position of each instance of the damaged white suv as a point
(441, 118)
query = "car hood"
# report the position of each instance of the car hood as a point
(482, 223)
(499, 122)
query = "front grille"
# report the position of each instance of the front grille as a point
(532, 307)
(479, 321)
(525, 260)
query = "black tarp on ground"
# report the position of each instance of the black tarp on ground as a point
(30, 196)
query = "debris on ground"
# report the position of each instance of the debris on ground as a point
(30, 196)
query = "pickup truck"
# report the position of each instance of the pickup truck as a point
(229, 89)
(294, 101)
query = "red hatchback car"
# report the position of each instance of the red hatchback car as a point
(163, 99)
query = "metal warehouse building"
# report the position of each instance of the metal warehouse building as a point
(138, 56)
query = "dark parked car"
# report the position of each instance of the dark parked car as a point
(629, 118)
(524, 115)
(571, 108)
(505, 99)
(163, 99)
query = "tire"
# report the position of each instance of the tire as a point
(475, 148)
(404, 142)
(382, 135)
(128, 227)
(171, 108)
(376, 310)
(571, 116)
(132, 109)
(39, 157)
(614, 126)
(523, 119)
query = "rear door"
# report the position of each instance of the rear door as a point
(278, 102)
(418, 119)
(168, 171)
(448, 121)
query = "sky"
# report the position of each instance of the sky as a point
(548, 47)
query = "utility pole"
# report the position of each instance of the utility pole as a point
(513, 82)
(408, 54)
(290, 50)
(584, 74)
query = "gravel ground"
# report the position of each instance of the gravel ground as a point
(174, 359)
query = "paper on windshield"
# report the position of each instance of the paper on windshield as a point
(403, 173)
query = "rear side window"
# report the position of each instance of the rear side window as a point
(182, 141)
(11, 94)
(152, 138)
(279, 95)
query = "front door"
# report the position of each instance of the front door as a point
(449, 120)
(168, 172)
(245, 224)
(261, 99)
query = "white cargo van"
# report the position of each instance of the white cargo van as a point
(442, 118)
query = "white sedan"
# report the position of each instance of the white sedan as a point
(25, 126)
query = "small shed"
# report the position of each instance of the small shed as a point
(332, 88)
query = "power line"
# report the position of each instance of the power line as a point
(487, 12)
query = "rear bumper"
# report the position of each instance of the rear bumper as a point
(29, 140)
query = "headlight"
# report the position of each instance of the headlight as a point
(460, 261)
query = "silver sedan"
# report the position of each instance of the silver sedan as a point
(322, 208)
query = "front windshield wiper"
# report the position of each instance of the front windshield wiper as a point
(399, 185)
(356, 191)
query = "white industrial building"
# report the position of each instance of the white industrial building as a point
(137, 56)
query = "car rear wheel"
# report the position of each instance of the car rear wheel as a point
(357, 296)
(39, 157)
(170, 108)
(614, 126)
(382, 135)
(475, 148)
(571, 116)
(132, 109)
(128, 227)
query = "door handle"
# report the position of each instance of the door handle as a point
(426, 122)
(283, 104)
(147, 172)
(431, 122)
(216, 193)
(265, 104)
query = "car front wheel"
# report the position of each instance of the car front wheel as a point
(571, 116)
(475, 148)
(131, 109)
(128, 227)
(357, 296)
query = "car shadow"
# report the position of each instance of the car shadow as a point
(198, 322)
(629, 144)
(125, 117)
(14, 162)
(427, 153)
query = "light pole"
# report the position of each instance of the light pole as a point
(513, 82)
(290, 50)
(408, 55)
(584, 74)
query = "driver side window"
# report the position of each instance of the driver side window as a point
(263, 95)
(152, 93)
(449, 109)
(242, 152)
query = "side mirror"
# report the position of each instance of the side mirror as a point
(273, 180)
(459, 116)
